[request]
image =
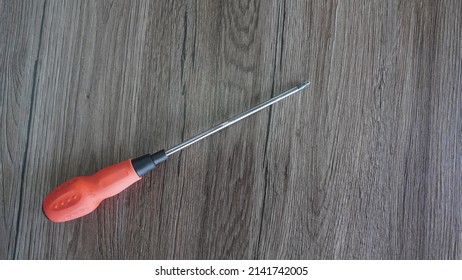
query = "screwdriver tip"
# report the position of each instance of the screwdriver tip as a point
(303, 85)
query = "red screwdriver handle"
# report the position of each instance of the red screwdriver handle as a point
(81, 195)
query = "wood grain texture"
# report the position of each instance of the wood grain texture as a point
(20, 38)
(366, 164)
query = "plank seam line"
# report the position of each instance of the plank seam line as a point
(269, 125)
(29, 124)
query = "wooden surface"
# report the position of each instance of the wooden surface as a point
(365, 164)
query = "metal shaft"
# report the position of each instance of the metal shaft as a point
(236, 118)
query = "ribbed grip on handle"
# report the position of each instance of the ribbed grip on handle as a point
(81, 195)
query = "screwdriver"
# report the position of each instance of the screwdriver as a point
(81, 195)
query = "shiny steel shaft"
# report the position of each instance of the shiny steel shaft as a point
(236, 118)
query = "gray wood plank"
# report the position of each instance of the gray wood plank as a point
(20, 27)
(366, 164)
(232, 70)
(84, 119)
(369, 170)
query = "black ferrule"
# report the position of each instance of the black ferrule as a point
(146, 163)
